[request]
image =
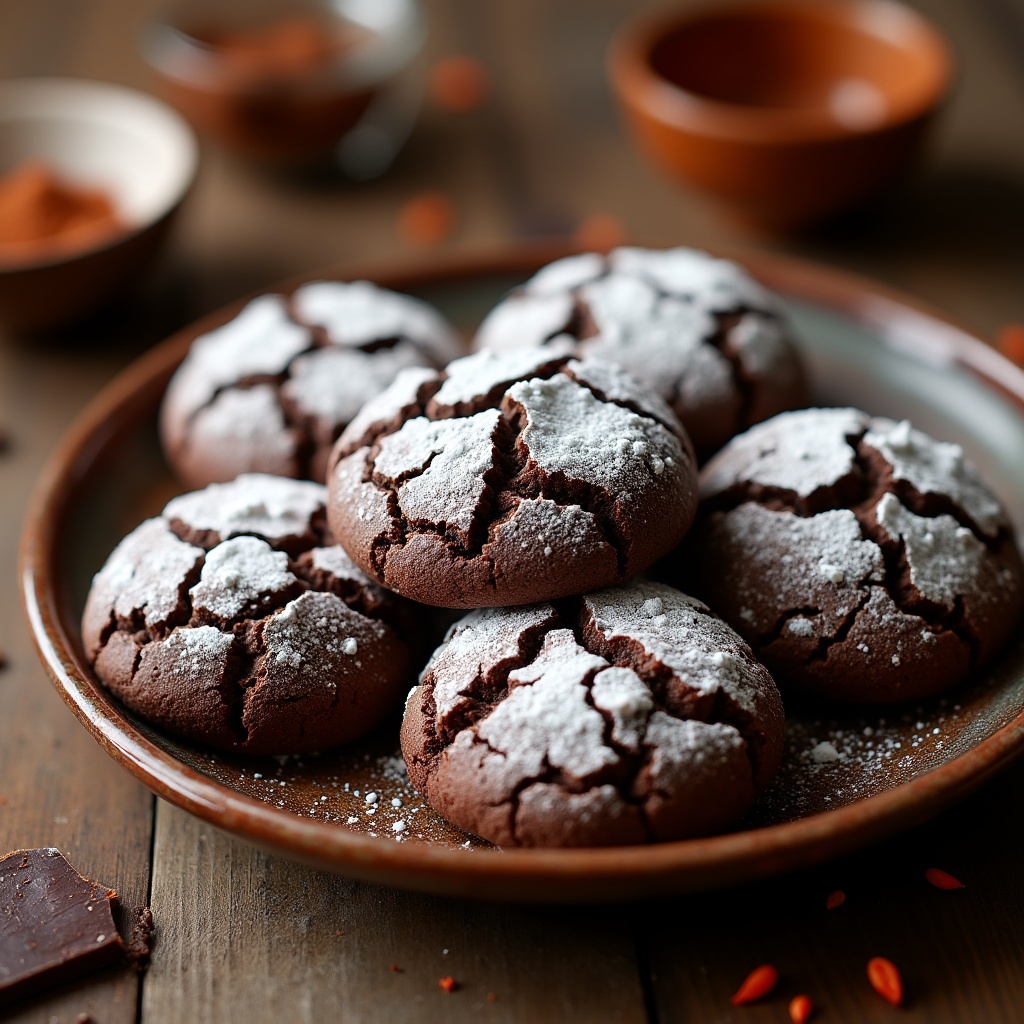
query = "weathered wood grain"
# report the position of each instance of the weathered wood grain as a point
(252, 938)
(960, 952)
(57, 788)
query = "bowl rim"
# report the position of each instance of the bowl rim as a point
(640, 86)
(180, 56)
(14, 91)
(552, 875)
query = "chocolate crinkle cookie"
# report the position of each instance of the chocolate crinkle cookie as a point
(271, 390)
(699, 330)
(860, 558)
(629, 715)
(510, 478)
(232, 619)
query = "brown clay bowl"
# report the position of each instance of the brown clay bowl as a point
(284, 82)
(863, 345)
(103, 136)
(786, 111)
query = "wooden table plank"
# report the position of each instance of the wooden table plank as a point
(255, 939)
(58, 788)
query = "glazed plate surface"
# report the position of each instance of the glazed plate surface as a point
(896, 767)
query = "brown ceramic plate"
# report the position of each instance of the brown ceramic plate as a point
(897, 767)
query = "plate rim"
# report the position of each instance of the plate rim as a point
(536, 875)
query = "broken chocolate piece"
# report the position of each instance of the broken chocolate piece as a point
(55, 925)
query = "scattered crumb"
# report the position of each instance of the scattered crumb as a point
(824, 752)
(459, 84)
(448, 984)
(427, 219)
(140, 943)
(599, 232)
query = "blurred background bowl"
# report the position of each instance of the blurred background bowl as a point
(786, 111)
(95, 136)
(286, 82)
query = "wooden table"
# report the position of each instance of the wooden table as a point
(243, 936)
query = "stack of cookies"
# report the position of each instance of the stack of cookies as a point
(531, 483)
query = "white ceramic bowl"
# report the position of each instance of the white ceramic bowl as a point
(101, 136)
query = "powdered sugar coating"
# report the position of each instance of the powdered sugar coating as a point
(678, 631)
(478, 645)
(315, 628)
(312, 358)
(715, 284)
(697, 330)
(141, 580)
(936, 467)
(801, 452)
(479, 374)
(568, 430)
(449, 459)
(844, 548)
(332, 384)
(236, 574)
(447, 490)
(357, 314)
(565, 274)
(267, 506)
(945, 559)
(261, 341)
(335, 560)
(229, 621)
(525, 732)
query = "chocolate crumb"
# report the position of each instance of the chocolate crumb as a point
(140, 946)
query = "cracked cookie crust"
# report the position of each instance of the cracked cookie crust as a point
(271, 390)
(861, 559)
(628, 715)
(510, 478)
(698, 330)
(233, 619)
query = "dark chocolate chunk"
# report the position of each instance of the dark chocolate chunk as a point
(55, 925)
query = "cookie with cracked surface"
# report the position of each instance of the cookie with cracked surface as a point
(271, 390)
(510, 478)
(233, 619)
(629, 715)
(699, 330)
(860, 558)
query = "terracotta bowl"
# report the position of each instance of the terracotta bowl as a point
(291, 83)
(787, 111)
(104, 137)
